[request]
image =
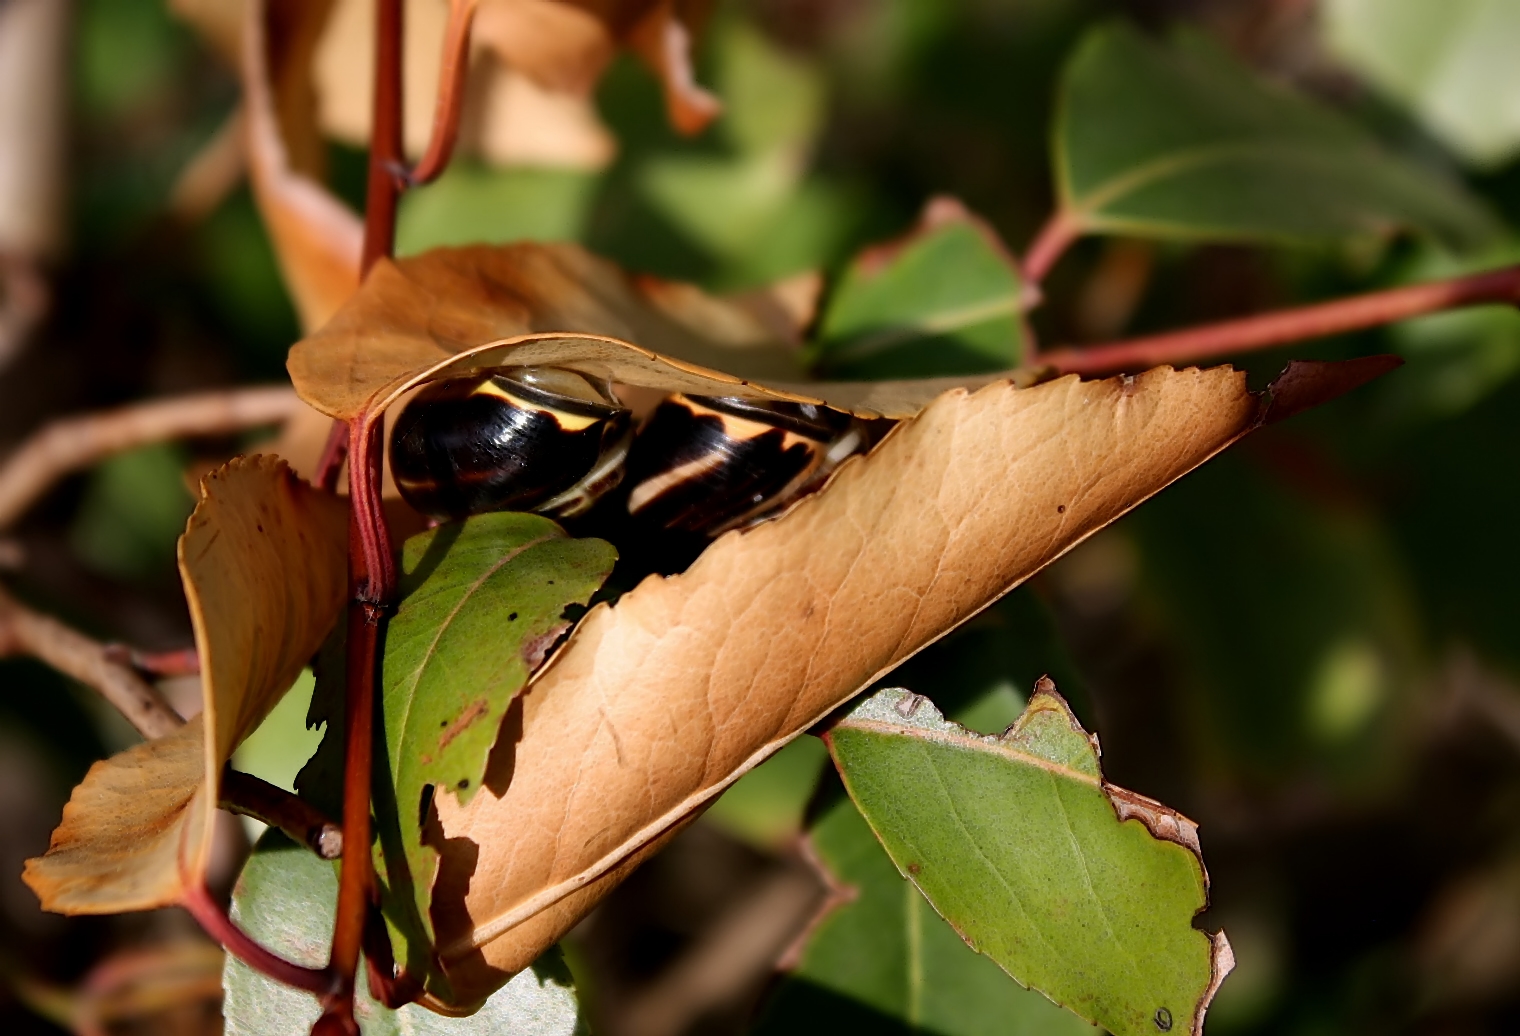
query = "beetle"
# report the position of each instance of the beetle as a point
(514, 438)
(556, 441)
(707, 464)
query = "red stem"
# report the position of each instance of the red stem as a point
(334, 452)
(385, 156)
(371, 568)
(1054, 238)
(1290, 325)
(206, 910)
(451, 88)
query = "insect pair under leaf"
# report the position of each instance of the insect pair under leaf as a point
(558, 441)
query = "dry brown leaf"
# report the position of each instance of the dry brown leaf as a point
(317, 238)
(657, 704)
(566, 45)
(264, 563)
(464, 306)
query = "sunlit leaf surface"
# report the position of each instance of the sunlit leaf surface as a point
(1082, 891)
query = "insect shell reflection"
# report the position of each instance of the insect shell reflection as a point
(557, 441)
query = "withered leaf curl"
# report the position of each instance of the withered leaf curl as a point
(264, 563)
(657, 704)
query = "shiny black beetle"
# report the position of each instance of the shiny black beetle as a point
(514, 439)
(707, 464)
(555, 441)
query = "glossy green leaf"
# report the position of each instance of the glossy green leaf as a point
(881, 961)
(947, 299)
(482, 602)
(1018, 843)
(285, 898)
(1451, 63)
(1179, 141)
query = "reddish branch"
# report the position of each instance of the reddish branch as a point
(25, 632)
(250, 796)
(1054, 238)
(1290, 325)
(371, 567)
(451, 89)
(74, 443)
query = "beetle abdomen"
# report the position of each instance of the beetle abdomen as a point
(704, 464)
(518, 439)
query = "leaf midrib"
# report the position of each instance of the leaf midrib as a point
(1087, 206)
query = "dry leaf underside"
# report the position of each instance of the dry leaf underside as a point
(658, 703)
(264, 564)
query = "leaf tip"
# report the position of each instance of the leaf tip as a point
(1305, 384)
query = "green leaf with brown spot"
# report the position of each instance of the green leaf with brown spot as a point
(1076, 888)
(482, 602)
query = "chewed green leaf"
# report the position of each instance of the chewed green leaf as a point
(880, 960)
(482, 602)
(948, 299)
(1080, 890)
(285, 898)
(1180, 141)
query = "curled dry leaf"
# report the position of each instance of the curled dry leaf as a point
(317, 238)
(654, 706)
(454, 310)
(1017, 841)
(264, 564)
(566, 45)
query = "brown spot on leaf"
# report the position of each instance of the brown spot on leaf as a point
(535, 650)
(477, 709)
(914, 869)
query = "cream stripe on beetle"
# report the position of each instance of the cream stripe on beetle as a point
(516, 438)
(704, 465)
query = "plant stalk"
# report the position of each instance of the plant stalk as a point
(371, 568)
(1229, 337)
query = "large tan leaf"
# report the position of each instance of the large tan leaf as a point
(464, 307)
(317, 238)
(264, 563)
(657, 704)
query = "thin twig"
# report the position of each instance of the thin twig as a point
(72, 443)
(1054, 238)
(251, 796)
(451, 90)
(214, 919)
(26, 632)
(1290, 325)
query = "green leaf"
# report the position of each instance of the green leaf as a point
(282, 743)
(285, 898)
(1452, 64)
(482, 602)
(947, 299)
(880, 960)
(471, 204)
(1018, 843)
(1181, 142)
